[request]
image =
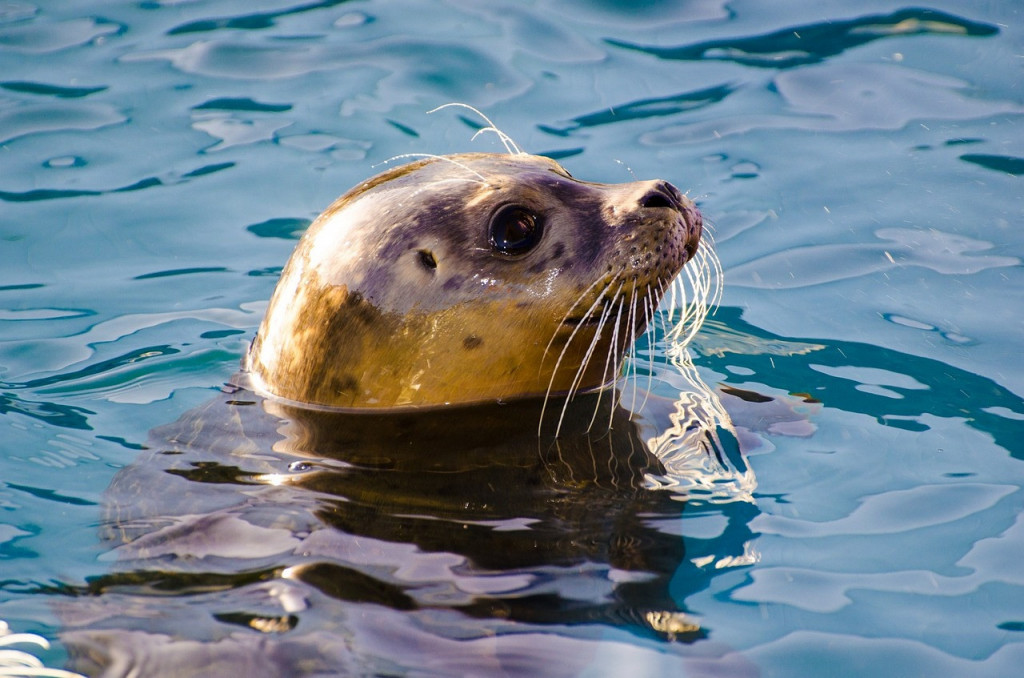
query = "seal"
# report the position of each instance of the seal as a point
(328, 494)
(467, 279)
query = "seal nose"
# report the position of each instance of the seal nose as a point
(662, 194)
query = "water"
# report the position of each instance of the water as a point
(861, 164)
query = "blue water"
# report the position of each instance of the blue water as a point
(861, 164)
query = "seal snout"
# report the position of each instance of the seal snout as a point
(663, 195)
(661, 220)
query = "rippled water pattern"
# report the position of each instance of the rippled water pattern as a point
(861, 164)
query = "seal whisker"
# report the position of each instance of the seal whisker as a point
(705, 278)
(651, 310)
(666, 288)
(698, 307)
(615, 353)
(565, 317)
(561, 354)
(578, 378)
(446, 158)
(679, 287)
(679, 297)
(604, 376)
(672, 299)
(611, 356)
(628, 337)
(572, 334)
(506, 140)
(631, 323)
(648, 309)
(510, 146)
(656, 295)
(708, 274)
(711, 256)
(618, 367)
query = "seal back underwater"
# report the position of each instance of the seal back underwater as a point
(470, 278)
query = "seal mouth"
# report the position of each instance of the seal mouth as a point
(587, 320)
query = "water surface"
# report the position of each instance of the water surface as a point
(861, 165)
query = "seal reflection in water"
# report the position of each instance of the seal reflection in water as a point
(383, 501)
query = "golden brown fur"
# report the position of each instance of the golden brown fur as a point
(398, 296)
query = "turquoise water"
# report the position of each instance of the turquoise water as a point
(861, 164)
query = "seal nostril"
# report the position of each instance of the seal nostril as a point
(663, 194)
(656, 199)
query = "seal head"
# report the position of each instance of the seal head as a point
(467, 279)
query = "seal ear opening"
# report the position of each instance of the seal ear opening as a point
(427, 260)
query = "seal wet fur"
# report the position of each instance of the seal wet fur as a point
(467, 279)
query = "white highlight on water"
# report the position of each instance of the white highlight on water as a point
(21, 663)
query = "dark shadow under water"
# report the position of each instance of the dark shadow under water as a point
(255, 539)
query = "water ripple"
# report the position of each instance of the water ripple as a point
(249, 22)
(646, 108)
(44, 89)
(892, 512)
(810, 653)
(51, 495)
(945, 253)
(51, 414)
(221, 536)
(813, 43)
(846, 98)
(41, 37)
(42, 313)
(533, 32)
(60, 353)
(241, 104)
(401, 59)
(1000, 163)
(182, 271)
(20, 121)
(231, 132)
(97, 369)
(169, 179)
(288, 229)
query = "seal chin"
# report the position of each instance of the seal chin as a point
(471, 278)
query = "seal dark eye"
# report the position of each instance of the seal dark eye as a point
(514, 230)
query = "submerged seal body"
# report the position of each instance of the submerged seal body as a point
(468, 279)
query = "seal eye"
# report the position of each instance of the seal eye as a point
(514, 230)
